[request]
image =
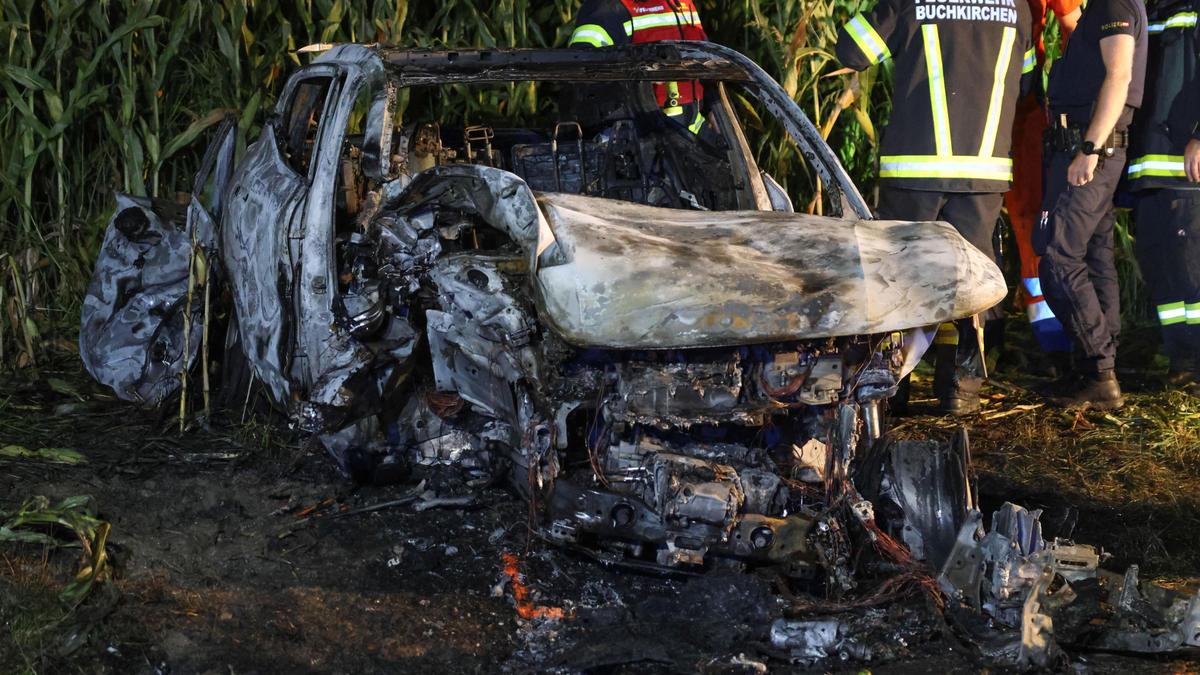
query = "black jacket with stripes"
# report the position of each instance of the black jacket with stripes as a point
(959, 67)
(1170, 112)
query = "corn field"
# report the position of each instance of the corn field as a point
(104, 95)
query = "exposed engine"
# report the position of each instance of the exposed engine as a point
(701, 453)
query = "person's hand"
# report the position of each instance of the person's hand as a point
(1082, 169)
(1191, 160)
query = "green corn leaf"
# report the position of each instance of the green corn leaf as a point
(27, 78)
(55, 455)
(251, 111)
(53, 104)
(135, 163)
(193, 131)
(26, 537)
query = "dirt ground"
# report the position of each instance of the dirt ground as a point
(240, 550)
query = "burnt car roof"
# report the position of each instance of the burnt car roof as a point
(659, 61)
(651, 62)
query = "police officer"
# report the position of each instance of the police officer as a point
(607, 23)
(1093, 92)
(1164, 172)
(958, 71)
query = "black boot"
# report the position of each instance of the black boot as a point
(1099, 391)
(964, 398)
(958, 376)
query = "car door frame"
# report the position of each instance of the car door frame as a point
(319, 347)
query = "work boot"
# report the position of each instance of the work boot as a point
(1099, 391)
(964, 399)
(957, 379)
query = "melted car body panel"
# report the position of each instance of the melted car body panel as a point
(263, 203)
(640, 277)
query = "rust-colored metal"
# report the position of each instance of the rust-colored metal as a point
(445, 404)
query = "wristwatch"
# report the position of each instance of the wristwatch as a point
(1089, 148)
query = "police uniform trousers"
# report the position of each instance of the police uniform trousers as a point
(974, 215)
(1078, 271)
(1168, 252)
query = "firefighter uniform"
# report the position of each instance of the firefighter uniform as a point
(1075, 232)
(1024, 201)
(607, 23)
(1167, 212)
(958, 71)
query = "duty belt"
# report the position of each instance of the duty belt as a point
(1062, 136)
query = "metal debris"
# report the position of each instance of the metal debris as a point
(1042, 596)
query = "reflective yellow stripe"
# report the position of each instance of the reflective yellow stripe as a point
(591, 34)
(662, 20)
(1030, 61)
(868, 40)
(937, 90)
(987, 144)
(947, 334)
(1193, 313)
(672, 93)
(1161, 166)
(697, 124)
(1172, 313)
(1180, 20)
(672, 107)
(936, 166)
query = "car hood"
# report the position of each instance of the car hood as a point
(629, 276)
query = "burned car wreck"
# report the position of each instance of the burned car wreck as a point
(622, 319)
(606, 309)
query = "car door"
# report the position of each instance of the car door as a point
(323, 353)
(264, 215)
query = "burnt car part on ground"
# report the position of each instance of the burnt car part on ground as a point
(623, 319)
(142, 319)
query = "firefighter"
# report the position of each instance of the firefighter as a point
(959, 69)
(1094, 89)
(1164, 173)
(1024, 201)
(607, 23)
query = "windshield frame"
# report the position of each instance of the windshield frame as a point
(657, 61)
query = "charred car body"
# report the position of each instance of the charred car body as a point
(606, 308)
(623, 319)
